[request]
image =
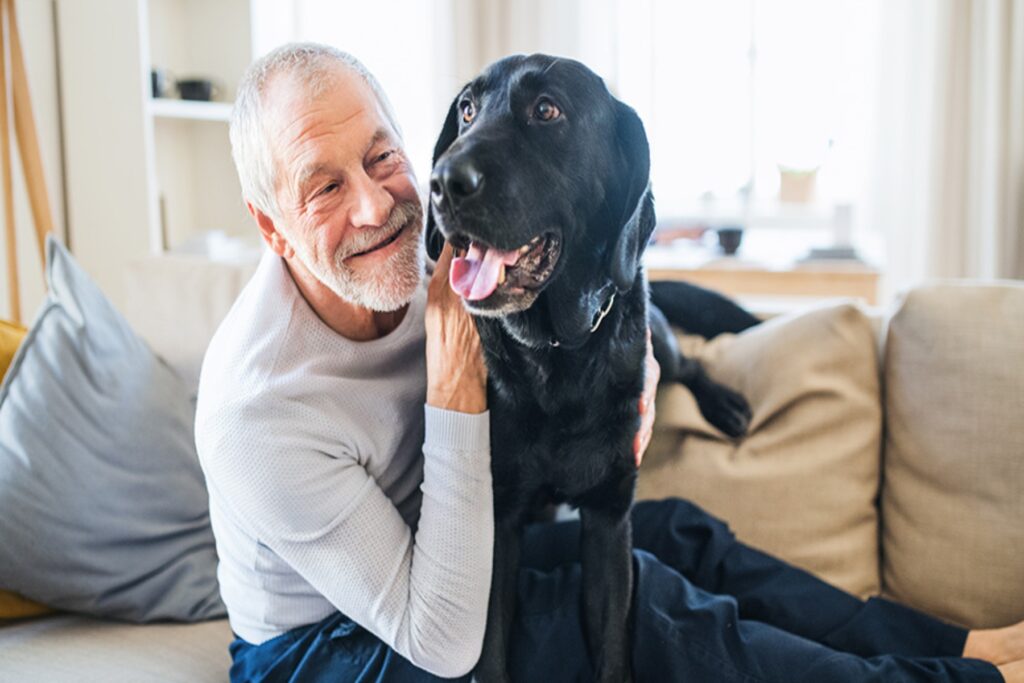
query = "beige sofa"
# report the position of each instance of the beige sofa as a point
(885, 454)
(928, 510)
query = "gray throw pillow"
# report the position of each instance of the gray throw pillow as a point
(103, 506)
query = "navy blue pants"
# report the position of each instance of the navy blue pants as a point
(706, 609)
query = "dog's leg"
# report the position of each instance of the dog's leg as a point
(607, 563)
(493, 664)
(721, 406)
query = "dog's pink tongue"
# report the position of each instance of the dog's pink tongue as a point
(475, 275)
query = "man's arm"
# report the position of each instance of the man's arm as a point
(328, 519)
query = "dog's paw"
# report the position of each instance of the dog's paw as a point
(726, 409)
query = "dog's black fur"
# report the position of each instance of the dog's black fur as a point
(564, 397)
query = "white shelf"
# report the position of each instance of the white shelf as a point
(190, 110)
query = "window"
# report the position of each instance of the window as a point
(733, 90)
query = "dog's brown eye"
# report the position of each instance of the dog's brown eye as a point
(468, 110)
(545, 110)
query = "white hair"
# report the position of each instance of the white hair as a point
(315, 66)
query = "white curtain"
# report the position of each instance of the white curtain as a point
(979, 207)
(949, 163)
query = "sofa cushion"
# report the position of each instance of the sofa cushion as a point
(87, 650)
(12, 605)
(104, 503)
(802, 483)
(953, 501)
(11, 335)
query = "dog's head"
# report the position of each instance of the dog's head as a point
(540, 183)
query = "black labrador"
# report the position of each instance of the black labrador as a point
(540, 183)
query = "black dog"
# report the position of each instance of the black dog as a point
(540, 183)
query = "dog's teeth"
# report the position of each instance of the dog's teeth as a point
(501, 275)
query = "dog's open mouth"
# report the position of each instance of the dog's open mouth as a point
(478, 270)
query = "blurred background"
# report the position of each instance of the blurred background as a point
(801, 149)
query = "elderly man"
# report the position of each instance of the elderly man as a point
(343, 431)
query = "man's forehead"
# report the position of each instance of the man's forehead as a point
(296, 114)
(337, 87)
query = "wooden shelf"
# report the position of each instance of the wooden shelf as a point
(190, 110)
(832, 280)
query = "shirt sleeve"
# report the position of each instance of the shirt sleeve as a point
(325, 515)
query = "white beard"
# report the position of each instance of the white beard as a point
(387, 287)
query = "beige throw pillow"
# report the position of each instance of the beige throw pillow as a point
(953, 501)
(802, 484)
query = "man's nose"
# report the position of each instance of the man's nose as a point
(455, 179)
(373, 205)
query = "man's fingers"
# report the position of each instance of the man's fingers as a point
(444, 261)
(446, 254)
(652, 375)
(439, 280)
(643, 438)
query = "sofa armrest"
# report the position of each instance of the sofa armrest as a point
(175, 302)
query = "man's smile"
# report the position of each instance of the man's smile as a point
(383, 243)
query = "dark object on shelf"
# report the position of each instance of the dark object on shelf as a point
(200, 89)
(160, 81)
(729, 239)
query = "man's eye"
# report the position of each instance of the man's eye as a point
(546, 110)
(468, 110)
(329, 188)
(384, 156)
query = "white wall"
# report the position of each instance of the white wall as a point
(35, 23)
(103, 92)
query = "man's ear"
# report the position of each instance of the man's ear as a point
(635, 199)
(271, 235)
(450, 131)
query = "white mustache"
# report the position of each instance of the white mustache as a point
(401, 214)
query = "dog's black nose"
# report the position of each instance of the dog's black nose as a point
(457, 179)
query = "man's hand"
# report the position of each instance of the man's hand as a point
(456, 374)
(652, 373)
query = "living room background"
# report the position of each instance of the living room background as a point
(893, 128)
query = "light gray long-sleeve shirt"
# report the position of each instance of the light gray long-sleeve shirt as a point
(334, 488)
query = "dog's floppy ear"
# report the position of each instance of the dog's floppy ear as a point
(450, 131)
(635, 198)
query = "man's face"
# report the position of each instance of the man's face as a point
(346, 191)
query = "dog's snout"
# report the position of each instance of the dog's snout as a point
(436, 192)
(456, 179)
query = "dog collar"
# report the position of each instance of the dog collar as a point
(598, 319)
